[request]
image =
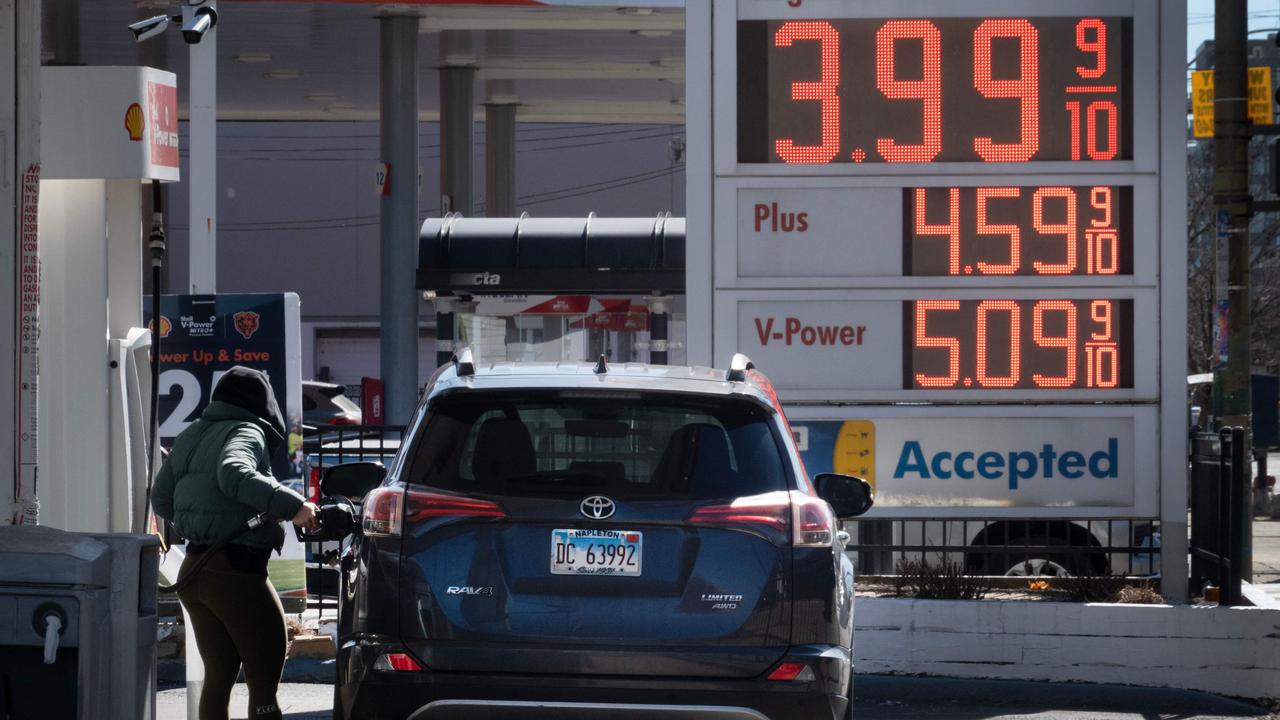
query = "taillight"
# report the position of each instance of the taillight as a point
(381, 514)
(313, 485)
(810, 519)
(343, 420)
(786, 672)
(424, 505)
(770, 510)
(815, 524)
(396, 662)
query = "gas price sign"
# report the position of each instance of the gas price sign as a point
(1086, 344)
(938, 89)
(1018, 231)
(965, 212)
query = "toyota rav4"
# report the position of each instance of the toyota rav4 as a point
(592, 541)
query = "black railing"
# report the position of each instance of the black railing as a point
(337, 445)
(1220, 493)
(1124, 547)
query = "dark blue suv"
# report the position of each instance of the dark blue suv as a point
(577, 541)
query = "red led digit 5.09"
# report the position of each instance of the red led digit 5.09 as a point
(1002, 90)
(1003, 343)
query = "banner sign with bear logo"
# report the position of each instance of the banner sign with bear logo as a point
(203, 336)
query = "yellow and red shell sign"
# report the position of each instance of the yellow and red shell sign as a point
(135, 122)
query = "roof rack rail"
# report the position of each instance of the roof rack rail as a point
(738, 368)
(463, 362)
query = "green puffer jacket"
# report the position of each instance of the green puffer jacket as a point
(219, 475)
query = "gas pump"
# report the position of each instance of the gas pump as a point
(108, 132)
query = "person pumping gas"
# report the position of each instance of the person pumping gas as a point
(217, 490)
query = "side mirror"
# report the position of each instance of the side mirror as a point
(848, 496)
(352, 480)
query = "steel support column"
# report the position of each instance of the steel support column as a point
(446, 314)
(659, 318)
(202, 167)
(500, 159)
(457, 125)
(399, 215)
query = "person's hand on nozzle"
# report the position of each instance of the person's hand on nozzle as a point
(306, 517)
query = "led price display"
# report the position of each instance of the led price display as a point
(934, 90)
(1018, 343)
(997, 231)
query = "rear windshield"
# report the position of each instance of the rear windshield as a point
(643, 445)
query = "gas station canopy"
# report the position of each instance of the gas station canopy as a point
(317, 61)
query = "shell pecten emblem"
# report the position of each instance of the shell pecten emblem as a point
(135, 122)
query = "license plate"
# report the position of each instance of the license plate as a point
(596, 552)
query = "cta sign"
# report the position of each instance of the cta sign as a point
(970, 460)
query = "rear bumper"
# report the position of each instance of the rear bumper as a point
(366, 694)
(470, 709)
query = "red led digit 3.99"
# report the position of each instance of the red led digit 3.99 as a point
(939, 89)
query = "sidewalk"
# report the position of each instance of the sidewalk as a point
(1266, 551)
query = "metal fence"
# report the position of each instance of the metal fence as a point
(1043, 547)
(336, 446)
(1220, 494)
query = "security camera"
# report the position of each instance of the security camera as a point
(196, 22)
(149, 28)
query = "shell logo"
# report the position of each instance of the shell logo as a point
(135, 122)
(166, 326)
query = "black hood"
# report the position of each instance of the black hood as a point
(250, 390)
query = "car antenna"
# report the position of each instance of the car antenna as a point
(602, 367)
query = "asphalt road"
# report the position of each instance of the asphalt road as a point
(900, 698)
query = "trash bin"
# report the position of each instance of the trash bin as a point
(77, 624)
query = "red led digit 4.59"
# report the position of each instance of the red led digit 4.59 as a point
(1102, 242)
(823, 91)
(1026, 88)
(928, 88)
(951, 230)
(1011, 231)
(1066, 228)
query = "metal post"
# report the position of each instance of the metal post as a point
(19, 282)
(445, 323)
(1231, 190)
(457, 124)
(202, 166)
(399, 228)
(500, 159)
(659, 315)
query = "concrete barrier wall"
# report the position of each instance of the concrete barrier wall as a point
(1230, 651)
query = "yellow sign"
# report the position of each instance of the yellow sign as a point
(1261, 110)
(856, 450)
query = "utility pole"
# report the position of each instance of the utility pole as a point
(1231, 193)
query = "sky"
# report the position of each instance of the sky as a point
(1263, 15)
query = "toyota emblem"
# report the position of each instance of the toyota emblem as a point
(597, 507)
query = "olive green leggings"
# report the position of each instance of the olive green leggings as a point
(237, 619)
